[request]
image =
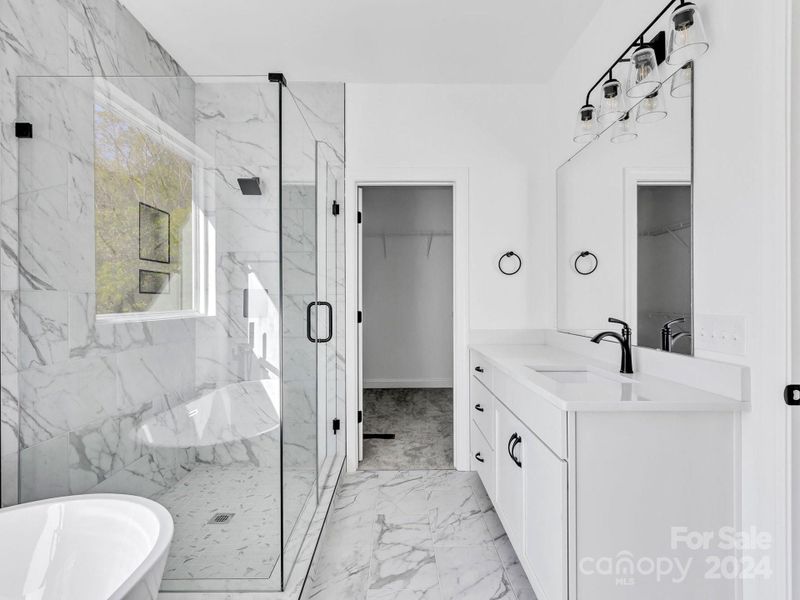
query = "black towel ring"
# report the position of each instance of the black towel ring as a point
(584, 254)
(509, 255)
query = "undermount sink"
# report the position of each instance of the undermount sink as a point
(580, 375)
(91, 547)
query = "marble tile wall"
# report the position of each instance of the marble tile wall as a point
(71, 390)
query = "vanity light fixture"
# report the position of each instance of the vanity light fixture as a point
(687, 41)
(624, 130)
(651, 109)
(644, 78)
(682, 81)
(687, 36)
(586, 125)
(613, 105)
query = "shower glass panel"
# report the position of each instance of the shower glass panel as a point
(168, 257)
(302, 325)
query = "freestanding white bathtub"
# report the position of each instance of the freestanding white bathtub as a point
(92, 547)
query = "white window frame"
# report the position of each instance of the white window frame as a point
(203, 271)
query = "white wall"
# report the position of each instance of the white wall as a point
(795, 293)
(739, 214)
(408, 292)
(496, 132)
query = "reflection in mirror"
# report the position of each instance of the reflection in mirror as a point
(627, 199)
(664, 269)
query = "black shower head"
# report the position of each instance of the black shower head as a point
(250, 186)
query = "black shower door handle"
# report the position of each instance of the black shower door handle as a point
(330, 322)
(310, 337)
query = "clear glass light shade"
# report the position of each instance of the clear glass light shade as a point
(585, 126)
(613, 105)
(644, 78)
(682, 82)
(624, 130)
(687, 36)
(651, 109)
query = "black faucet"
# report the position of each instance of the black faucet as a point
(626, 363)
(666, 333)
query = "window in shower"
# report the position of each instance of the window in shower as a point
(151, 235)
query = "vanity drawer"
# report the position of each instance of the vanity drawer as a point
(548, 422)
(482, 459)
(481, 407)
(479, 367)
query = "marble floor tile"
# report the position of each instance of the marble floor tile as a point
(415, 535)
(420, 419)
(402, 554)
(248, 546)
(483, 579)
(431, 594)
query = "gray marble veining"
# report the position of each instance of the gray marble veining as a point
(76, 389)
(380, 541)
(420, 419)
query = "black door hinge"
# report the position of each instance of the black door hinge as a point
(360, 317)
(360, 218)
(335, 208)
(23, 130)
(792, 395)
(337, 425)
(277, 78)
(360, 416)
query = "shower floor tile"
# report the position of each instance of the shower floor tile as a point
(248, 545)
(420, 419)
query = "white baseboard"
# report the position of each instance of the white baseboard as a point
(408, 383)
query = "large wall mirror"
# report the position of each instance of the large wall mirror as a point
(625, 224)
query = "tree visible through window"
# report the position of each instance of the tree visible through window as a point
(143, 219)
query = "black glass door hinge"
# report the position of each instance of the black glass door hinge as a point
(360, 317)
(361, 416)
(792, 395)
(337, 425)
(335, 208)
(360, 218)
(23, 131)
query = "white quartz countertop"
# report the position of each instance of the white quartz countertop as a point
(641, 392)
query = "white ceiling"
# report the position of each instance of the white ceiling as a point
(369, 41)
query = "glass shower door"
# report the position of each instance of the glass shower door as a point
(170, 309)
(302, 326)
(330, 285)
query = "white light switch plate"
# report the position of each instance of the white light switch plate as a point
(721, 333)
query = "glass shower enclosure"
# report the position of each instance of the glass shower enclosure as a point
(181, 292)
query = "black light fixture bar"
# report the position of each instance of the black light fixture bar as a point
(639, 41)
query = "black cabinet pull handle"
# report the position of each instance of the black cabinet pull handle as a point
(516, 460)
(511, 440)
(479, 369)
(478, 457)
(479, 408)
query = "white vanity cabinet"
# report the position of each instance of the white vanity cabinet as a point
(531, 500)
(576, 486)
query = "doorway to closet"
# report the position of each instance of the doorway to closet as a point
(406, 298)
